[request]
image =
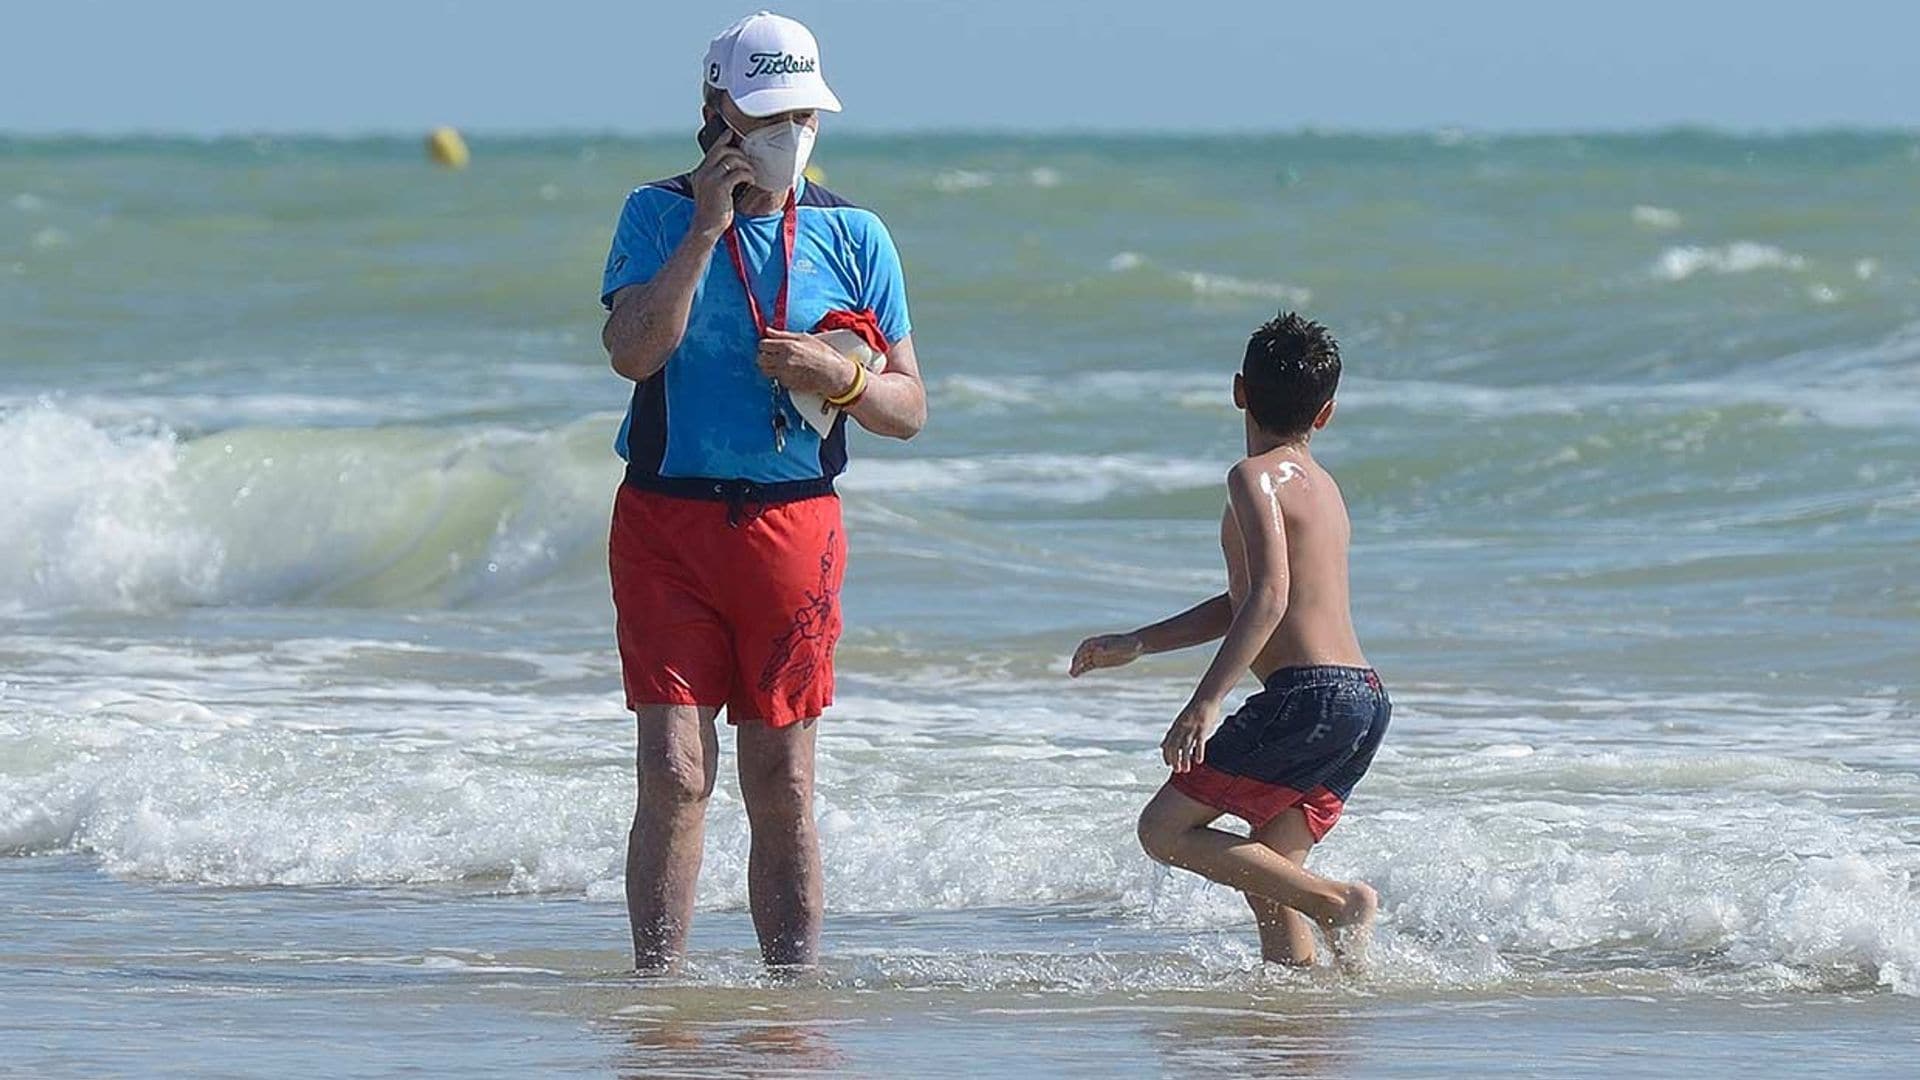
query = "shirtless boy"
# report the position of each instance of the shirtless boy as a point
(1288, 759)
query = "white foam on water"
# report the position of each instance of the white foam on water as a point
(1226, 285)
(130, 519)
(117, 515)
(950, 181)
(96, 519)
(1656, 217)
(1066, 478)
(131, 412)
(1860, 400)
(1208, 284)
(1740, 257)
(1084, 392)
(1860, 386)
(1498, 859)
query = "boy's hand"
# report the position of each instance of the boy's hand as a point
(1186, 743)
(1105, 651)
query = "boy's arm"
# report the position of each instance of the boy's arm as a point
(1199, 624)
(1203, 622)
(1256, 513)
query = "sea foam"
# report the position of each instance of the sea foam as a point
(134, 518)
(1741, 257)
(1496, 865)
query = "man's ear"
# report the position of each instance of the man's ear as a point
(1326, 414)
(1239, 391)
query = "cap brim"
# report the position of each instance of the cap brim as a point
(779, 99)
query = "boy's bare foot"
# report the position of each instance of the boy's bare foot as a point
(1351, 931)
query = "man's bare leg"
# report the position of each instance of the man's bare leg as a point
(1286, 936)
(783, 864)
(676, 760)
(1174, 830)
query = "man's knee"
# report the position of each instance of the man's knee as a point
(776, 776)
(778, 790)
(779, 795)
(677, 755)
(674, 779)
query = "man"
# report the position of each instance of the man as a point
(727, 549)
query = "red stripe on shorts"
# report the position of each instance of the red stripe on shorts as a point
(1258, 802)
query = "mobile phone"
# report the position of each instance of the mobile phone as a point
(712, 132)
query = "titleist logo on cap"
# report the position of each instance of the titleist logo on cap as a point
(767, 63)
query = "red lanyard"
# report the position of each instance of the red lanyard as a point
(789, 221)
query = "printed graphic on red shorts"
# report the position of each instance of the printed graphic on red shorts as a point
(804, 647)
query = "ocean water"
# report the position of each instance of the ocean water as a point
(311, 747)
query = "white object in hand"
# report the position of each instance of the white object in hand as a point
(813, 407)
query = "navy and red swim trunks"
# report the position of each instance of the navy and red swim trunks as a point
(1303, 741)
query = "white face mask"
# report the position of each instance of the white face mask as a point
(779, 154)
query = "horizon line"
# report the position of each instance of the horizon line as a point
(1462, 132)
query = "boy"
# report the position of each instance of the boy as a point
(1286, 761)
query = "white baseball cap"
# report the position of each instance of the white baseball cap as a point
(769, 64)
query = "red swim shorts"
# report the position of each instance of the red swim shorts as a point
(727, 605)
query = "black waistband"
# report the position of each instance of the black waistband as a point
(1322, 674)
(734, 492)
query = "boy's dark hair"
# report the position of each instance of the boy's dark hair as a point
(1291, 371)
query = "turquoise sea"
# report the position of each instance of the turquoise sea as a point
(312, 756)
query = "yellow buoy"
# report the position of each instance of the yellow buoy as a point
(815, 174)
(446, 148)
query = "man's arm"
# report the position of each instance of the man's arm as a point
(895, 404)
(1256, 513)
(649, 318)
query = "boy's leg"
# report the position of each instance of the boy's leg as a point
(1174, 830)
(1286, 936)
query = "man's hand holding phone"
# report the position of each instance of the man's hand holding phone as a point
(723, 170)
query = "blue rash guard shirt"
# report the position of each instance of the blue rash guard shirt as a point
(706, 418)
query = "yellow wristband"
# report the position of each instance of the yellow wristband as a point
(859, 387)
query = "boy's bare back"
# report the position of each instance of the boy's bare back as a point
(1303, 509)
